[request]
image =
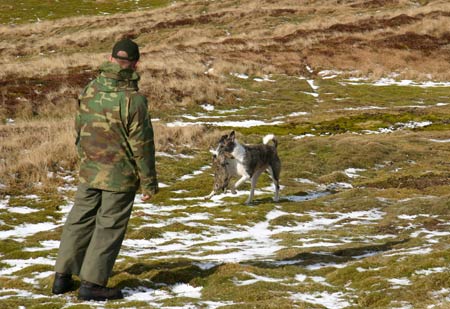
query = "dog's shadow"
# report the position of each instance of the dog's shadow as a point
(299, 196)
(337, 257)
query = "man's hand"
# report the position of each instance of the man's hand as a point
(148, 194)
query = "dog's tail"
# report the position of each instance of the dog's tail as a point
(270, 137)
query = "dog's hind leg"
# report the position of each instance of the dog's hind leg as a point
(275, 175)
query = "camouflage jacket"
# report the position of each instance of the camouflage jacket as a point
(115, 134)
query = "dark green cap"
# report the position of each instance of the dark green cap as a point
(127, 46)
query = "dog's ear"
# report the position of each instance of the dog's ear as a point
(232, 136)
(223, 139)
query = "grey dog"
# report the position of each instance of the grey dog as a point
(232, 159)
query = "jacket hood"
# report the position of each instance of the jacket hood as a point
(113, 78)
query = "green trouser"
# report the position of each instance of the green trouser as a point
(93, 233)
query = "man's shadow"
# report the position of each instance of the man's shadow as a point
(164, 273)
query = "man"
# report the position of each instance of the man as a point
(117, 152)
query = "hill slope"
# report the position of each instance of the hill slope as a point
(357, 95)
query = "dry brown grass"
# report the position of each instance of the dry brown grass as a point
(182, 139)
(34, 151)
(30, 150)
(204, 30)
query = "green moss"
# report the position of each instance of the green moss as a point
(130, 304)
(144, 233)
(43, 303)
(180, 227)
(8, 245)
(33, 10)
(290, 220)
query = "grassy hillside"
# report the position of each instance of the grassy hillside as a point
(357, 93)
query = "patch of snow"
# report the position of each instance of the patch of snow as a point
(22, 210)
(46, 245)
(335, 300)
(296, 114)
(67, 188)
(410, 251)
(25, 230)
(31, 197)
(17, 264)
(37, 276)
(186, 290)
(430, 271)
(312, 85)
(392, 82)
(336, 186)
(439, 140)
(205, 265)
(237, 124)
(353, 172)
(255, 279)
(146, 294)
(429, 234)
(363, 108)
(329, 74)
(228, 111)
(16, 293)
(316, 95)
(413, 124)
(302, 198)
(399, 281)
(10, 121)
(304, 180)
(318, 266)
(265, 78)
(361, 269)
(303, 136)
(217, 304)
(207, 107)
(301, 277)
(194, 173)
(178, 155)
(240, 75)
(201, 116)
(319, 244)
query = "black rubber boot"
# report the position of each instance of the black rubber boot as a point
(63, 283)
(92, 291)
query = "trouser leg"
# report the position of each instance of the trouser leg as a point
(78, 230)
(110, 227)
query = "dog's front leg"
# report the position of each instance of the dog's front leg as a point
(239, 182)
(210, 195)
(252, 189)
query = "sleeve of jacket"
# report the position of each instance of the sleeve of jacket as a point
(77, 123)
(142, 144)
